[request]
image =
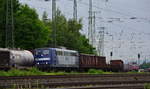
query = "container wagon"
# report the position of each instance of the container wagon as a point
(87, 61)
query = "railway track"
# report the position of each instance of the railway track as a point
(133, 86)
(114, 81)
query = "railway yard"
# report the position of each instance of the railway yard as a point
(80, 81)
(56, 44)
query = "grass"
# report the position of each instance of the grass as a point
(97, 71)
(147, 86)
(35, 71)
(32, 71)
(135, 72)
(94, 71)
(17, 72)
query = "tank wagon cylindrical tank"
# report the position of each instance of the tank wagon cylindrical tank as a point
(15, 58)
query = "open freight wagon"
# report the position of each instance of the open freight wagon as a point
(116, 65)
(87, 61)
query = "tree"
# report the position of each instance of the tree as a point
(29, 32)
(2, 21)
(68, 35)
(145, 65)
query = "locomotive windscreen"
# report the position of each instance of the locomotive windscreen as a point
(4, 57)
(42, 53)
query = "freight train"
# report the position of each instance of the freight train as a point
(56, 59)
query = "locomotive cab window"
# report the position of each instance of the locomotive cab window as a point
(45, 52)
(38, 52)
(42, 52)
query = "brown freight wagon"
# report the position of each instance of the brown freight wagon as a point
(116, 65)
(87, 61)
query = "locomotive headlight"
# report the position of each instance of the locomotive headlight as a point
(38, 63)
(46, 62)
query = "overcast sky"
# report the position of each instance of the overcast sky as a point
(131, 36)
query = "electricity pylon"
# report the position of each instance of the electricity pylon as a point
(9, 29)
(54, 23)
(75, 10)
(90, 22)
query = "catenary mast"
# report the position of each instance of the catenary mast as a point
(54, 23)
(90, 22)
(75, 14)
(9, 29)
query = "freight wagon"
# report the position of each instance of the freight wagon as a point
(116, 65)
(15, 58)
(87, 61)
(131, 67)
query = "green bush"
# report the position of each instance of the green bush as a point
(35, 71)
(3, 73)
(147, 86)
(94, 71)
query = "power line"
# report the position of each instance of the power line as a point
(115, 11)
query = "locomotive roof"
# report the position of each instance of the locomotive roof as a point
(67, 50)
(59, 49)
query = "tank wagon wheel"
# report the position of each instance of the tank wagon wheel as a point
(15, 66)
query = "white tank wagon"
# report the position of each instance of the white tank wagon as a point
(15, 58)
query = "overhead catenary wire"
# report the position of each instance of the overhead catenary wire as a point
(125, 17)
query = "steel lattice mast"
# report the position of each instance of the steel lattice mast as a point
(75, 14)
(54, 23)
(90, 22)
(101, 41)
(9, 37)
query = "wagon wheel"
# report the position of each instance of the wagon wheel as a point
(13, 64)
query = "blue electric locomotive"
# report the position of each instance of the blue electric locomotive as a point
(56, 58)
